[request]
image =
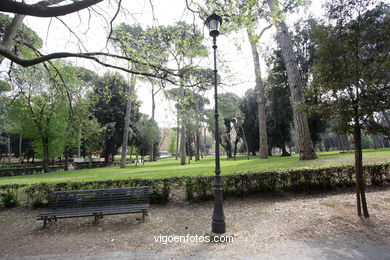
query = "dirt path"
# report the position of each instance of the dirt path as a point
(334, 248)
(311, 226)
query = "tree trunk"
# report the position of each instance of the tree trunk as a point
(235, 148)
(90, 161)
(66, 168)
(20, 149)
(360, 189)
(284, 152)
(269, 150)
(201, 147)
(151, 153)
(45, 143)
(188, 145)
(125, 139)
(260, 96)
(182, 144)
(246, 143)
(79, 144)
(9, 148)
(177, 135)
(341, 139)
(151, 156)
(11, 32)
(346, 142)
(196, 134)
(197, 145)
(205, 141)
(375, 142)
(386, 118)
(304, 143)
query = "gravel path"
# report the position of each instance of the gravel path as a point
(283, 226)
(335, 248)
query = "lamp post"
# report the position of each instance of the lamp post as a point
(218, 225)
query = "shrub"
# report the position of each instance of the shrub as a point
(39, 204)
(201, 187)
(10, 200)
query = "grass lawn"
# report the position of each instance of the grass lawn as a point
(172, 168)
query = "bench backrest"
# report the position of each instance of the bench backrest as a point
(99, 197)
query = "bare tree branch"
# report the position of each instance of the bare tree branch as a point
(264, 30)
(74, 34)
(86, 55)
(189, 8)
(11, 6)
(112, 20)
(48, 2)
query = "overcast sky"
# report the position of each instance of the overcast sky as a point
(92, 31)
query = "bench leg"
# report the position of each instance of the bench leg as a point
(143, 216)
(97, 217)
(44, 222)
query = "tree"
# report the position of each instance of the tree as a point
(351, 73)
(261, 99)
(284, 40)
(128, 40)
(248, 108)
(183, 43)
(195, 102)
(93, 136)
(41, 112)
(229, 121)
(110, 110)
(305, 47)
(133, 40)
(279, 105)
(172, 141)
(245, 14)
(147, 134)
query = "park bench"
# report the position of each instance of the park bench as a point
(96, 203)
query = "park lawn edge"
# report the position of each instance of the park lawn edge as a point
(284, 170)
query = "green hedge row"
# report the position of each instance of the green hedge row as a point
(17, 171)
(201, 188)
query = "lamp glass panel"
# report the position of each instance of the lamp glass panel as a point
(214, 25)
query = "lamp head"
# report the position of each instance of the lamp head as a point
(214, 23)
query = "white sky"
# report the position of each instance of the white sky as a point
(93, 32)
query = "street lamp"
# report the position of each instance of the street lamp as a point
(218, 225)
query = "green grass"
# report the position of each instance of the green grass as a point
(172, 168)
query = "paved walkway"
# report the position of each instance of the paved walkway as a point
(335, 248)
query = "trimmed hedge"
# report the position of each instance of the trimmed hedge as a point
(201, 188)
(80, 166)
(17, 171)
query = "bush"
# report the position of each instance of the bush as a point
(39, 204)
(10, 200)
(201, 188)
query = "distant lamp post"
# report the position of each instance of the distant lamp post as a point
(218, 225)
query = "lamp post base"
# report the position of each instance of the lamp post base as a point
(218, 227)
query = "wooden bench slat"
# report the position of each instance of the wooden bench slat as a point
(101, 190)
(90, 210)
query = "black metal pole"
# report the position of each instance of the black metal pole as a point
(218, 224)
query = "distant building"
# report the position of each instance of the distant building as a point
(164, 139)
